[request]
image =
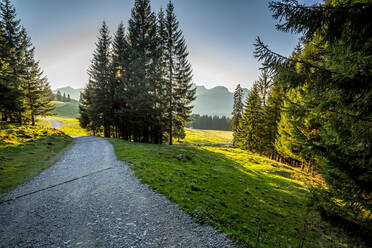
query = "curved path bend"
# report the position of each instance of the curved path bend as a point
(90, 199)
(55, 123)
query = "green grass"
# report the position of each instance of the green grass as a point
(44, 123)
(75, 130)
(57, 103)
(207, 137)
(233, 190)
(69, 110)
(25, 151)
(65, 119)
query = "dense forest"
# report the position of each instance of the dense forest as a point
(210, 122)
(24, 90)
(314, 108)
(140, 80)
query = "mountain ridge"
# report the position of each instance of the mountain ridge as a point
(214, 101)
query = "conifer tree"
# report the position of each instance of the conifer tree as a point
(249, 133)
(35, 87)
(264, 84)
(178, 73)
(336, 71)
(142, 39)
(13, 51)
(272, 113)
(59, 96)
(237, 111)
(100, 74)
(121, 57)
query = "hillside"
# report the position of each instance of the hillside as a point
(215, 101)
(74, 93)
(67, 109)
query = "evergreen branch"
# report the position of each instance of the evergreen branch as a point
(357, 117)
(272, 60)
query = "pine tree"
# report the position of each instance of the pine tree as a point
(237, 111)
(64, 99)
(178, 73)
(13, 51)
(272, 113)
(37, 92)
(100, 74)
(335, 68)
(59, 96)
(142, 39)
(249, 133)
(121, 57)
(264, 84)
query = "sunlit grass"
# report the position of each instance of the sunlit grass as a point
(65, 119)
(207, 137)
(44, 123)
(27, 150)
(15, 134)
(57, 103)
(75, 130)
(235, 191)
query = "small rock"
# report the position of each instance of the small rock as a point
(183, 156)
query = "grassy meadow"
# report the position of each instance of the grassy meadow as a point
(25, 151)
(256, 201)
(68, 109)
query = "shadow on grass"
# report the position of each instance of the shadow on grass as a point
(235, 197)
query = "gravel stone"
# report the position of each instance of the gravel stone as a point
(109, 208)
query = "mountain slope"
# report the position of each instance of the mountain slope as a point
(74, 93)
(215, 101)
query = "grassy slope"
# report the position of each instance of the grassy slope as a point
(233, 190)
(69, 110)
(22, 157)
(75, 130)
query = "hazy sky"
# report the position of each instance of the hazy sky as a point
(219, 34)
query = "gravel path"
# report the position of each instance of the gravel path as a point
(55, 123)
(106, 207)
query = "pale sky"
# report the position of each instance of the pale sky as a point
(219, 34)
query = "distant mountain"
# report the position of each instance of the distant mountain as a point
(74, 93)
(215, 101)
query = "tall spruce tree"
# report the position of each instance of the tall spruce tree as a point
(272, 113)
(35, 87)
(100, 74)
(142, 37)
(13, 51)
(338, 100)
(249, 133)
(121, 56)
(178, 75)
(237, 111)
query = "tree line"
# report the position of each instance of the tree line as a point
(62, 98)
(314, 108)
(140, 80)
(209, 122)
(24, 90)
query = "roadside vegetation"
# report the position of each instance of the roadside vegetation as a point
(256, 201)
(27, 150)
